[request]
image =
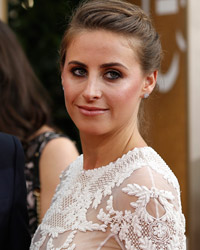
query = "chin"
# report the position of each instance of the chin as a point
(92, 130)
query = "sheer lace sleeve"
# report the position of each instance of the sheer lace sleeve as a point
(146, 212)
(133, 203)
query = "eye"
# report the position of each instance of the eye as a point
(80, 72)
(112, 75)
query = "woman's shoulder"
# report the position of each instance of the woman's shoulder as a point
(150, 180)
(42, 138)
(58, 146)
(150, 165)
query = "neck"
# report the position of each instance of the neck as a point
(101, 150)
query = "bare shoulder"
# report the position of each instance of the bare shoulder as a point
(60, 151)
(60, 145)
(56, 156)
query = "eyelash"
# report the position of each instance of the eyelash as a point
(117, 73)
(73, 71)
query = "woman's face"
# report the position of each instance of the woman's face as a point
(103, 82)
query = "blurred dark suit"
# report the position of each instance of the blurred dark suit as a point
(14, 233)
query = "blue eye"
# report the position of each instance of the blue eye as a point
(80, 72)
(112, 75)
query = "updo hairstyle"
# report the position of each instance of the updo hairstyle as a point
(120, 17)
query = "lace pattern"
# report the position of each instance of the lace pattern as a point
(142, 231)
(116, 202)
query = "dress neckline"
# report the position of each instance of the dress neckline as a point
(133, 153)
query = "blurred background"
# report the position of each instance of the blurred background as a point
(39, 26)
(173, 115)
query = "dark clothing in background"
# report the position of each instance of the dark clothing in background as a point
(14, 233)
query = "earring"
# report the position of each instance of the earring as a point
(146, 95)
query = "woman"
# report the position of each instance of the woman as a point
(119, 194)
(24, 112)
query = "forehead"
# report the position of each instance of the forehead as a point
(104, 42)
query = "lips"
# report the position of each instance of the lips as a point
(91, 111)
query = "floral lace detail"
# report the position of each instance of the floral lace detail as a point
(81, 191)
(65, 245)
(140, 230)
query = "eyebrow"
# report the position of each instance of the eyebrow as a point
(78, 63)
(105, 65)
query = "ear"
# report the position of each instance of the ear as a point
(149, 83)
(62, 82)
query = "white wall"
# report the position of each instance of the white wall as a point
(194, 120)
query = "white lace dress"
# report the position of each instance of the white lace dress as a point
(132, 203)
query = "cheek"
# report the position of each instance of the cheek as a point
(68, 97)
(69, 90)
(129, 94)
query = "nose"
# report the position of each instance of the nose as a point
(92, 89)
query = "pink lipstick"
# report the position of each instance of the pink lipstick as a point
(91, 111)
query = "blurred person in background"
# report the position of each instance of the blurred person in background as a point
(14, 231)
(25, 113)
